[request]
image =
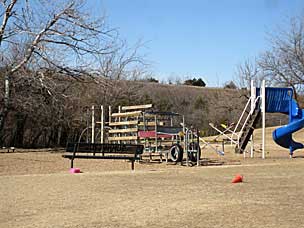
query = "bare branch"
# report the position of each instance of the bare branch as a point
(7, 15)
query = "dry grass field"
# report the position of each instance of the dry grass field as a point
(38, 191)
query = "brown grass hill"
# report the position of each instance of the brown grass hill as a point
(46, 117)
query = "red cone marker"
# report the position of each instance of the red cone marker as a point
(237, 179)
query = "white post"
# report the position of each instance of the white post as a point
(119, 110)
(185, 135)
(253, 97)
(263, 109)
(101, 124)
(155, 128)
(93, 125)
(110, 114)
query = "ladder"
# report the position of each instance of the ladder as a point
(248, 125)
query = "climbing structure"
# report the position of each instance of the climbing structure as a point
(271, 100)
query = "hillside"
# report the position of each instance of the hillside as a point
(43, 118)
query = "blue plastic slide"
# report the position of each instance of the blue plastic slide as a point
(283, 135)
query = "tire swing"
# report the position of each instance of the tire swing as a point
(176, 153)
(194, 152)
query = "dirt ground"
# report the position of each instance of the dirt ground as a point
(38, 191)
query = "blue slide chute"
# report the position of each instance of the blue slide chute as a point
(283, 135)
(280, 100)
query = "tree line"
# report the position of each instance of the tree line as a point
(56, 60)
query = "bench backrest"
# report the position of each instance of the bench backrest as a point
(105, 148)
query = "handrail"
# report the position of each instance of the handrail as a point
(247, 118)
(238, 123)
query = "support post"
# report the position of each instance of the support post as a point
(93, 125)
(156, 143)
(186, 146)
(184, 135)
(253, 98)
(101, 124)
(263, 109)
(110, 114)
(198, 155)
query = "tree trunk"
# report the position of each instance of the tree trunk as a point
(5, 109)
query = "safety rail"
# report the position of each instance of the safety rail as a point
(247, 118)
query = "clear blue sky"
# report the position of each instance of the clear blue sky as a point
(206, 38)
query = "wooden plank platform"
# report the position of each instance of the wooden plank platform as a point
(123, 138)
(135, 107)
(122, 123)
(149, 124)
(126, 114)
(123, 130)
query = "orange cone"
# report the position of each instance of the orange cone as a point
(237, 179)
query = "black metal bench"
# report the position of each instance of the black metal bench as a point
(129, 152)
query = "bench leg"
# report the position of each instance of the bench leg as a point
(132, 164)
(72, 163)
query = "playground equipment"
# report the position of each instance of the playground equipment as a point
(227, 130)
(271, 100)
(281, 100)
(161, 133)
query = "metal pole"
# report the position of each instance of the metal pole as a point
(253, 97)
(155, 119)
(186, 146)
(252, 147)
(87, 123)
(110, 114)
(184, 135)
(198, 149)
(93, 125)
(101, 124)
(263, 97)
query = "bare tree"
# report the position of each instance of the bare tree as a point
(246, 72)
(284, 63)
(50, 34)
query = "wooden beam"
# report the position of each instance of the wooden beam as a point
(126, 114)
(123, 123)
(148, 116)
(123, 130)
(135, 107)
(123, 138)
(148, 124)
